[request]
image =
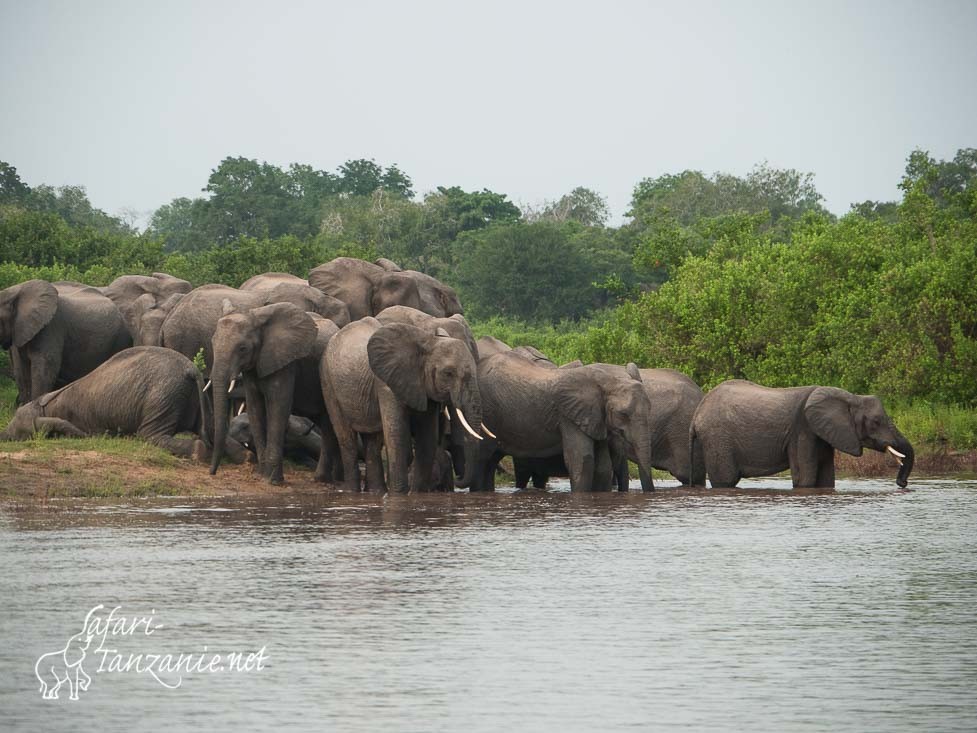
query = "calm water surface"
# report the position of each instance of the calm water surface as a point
(759, 609)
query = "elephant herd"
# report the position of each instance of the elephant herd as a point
(365, 359)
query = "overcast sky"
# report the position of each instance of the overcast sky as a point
(138, 101)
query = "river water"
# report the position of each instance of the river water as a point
(754, 609)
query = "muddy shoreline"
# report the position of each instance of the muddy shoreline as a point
(67, 472)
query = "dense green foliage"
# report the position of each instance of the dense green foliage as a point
(718, 276)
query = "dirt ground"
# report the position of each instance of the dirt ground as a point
(87, 473)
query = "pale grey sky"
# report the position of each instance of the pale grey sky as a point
(138, 101)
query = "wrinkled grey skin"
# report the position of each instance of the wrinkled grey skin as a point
(139, 296)
(303, 442)
(147, 391)
(743, 429)
(57, 333)
(277, 349)
(365, 288)
(392, 382)
(437, 299)
(568, 412)
(332, 308)
(191, 324)
(454, 438)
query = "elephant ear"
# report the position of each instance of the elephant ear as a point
(581, 400)
(227, 307)
(37, 302)
(287, 335)
(633, 371)
(397, 353)
(828, 412)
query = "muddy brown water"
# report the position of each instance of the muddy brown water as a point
(753, 609)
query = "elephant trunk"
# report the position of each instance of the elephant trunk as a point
(905, 447)
(467, 401)
(219, 382)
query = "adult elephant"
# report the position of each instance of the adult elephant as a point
(332, 308)
(569, 412)
(364, 287)
(743, 429)
(146, 391)
(394, 381)
(138, 295)
(437, 299)
(190, 326)
(57, 333)
(276, 348)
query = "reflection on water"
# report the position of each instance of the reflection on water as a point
(758, 608)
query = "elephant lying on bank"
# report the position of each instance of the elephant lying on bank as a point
(742, 429)
(57, 333)
(390, 384)
(303, 442)
(147, 391)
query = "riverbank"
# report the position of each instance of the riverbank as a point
(127, 467)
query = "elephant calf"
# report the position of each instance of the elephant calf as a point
(303, 441)
(147, 391)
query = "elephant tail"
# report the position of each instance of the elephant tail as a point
(206, 431)
(697, 461)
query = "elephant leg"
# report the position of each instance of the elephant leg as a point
(43, 374)
(524, 471)
(425, 433)
(803, 457)
(604, 467)
(328, 450)
(579, 455)
(373, 458)
(258, 420)
(184, 447)
(278, 392)
(647, 482)
(826, 468)
(82, 678)
(396, 438)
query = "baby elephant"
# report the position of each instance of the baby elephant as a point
(302, 439)
(147, 391)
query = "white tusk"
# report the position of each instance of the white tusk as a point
(488, 432)
(207, 386)
(240, 409)
(231, 387)
(894, 452)
(466, 426)
(447, 415)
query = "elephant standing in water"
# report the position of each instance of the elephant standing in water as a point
(57, 333)
(147, 391)
(742, 429)
(277, 349)
(572, 412)
(394, 381)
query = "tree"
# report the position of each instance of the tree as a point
(362, 177)
(12, 189)
(180, 224)
(581, 205)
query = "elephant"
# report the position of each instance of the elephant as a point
(303, 441)
(455, 436)
(490, 346)
(574, 412)
(191, 324)
(437, 299)
(57, 335)
(147, 391)
(138, 295)
(277, 349)
(364, 287)
(332, 308)
(744, 429)
(393, 381)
